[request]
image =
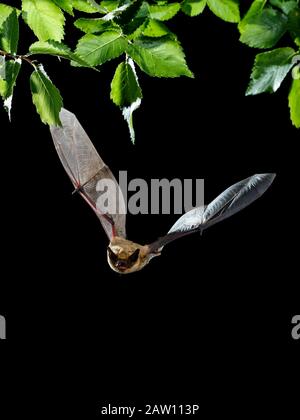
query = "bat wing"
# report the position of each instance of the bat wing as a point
(86, 169)
(232, 200)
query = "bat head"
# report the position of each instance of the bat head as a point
(125, 256)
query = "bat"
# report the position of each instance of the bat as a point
(85, 168)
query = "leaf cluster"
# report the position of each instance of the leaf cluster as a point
(136, 34)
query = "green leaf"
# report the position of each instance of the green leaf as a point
(57, 49)
(44, 18)
(270, 69)
(125, 88)
(91, 26)
(87, 6)
(294, 22)
(110, 5)
(296, 68)
(9, 35)
(156, 29)
(2, 87)
(164, 12)
(264, 30)
(7, 84)
(134, 28)
(133, 17)
(227, 10)
(193, 7)
(46, 97)
(65, 5)
(159, 57)
(12, 68)
(126, 92)
(285, 6)
(97, 49)
(255, 9)
(2, 67)
(129, 13)
(50, 47)
(5, 11)
(294, 102)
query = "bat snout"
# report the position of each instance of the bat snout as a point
(121, 264)
(126, 257)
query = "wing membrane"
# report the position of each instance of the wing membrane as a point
(85, 169)
(232, 200)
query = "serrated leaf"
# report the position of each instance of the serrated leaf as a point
(91, 26)
(159, 57)
(44, 18)
(97, 49)
(164, 12)
(264, 30)
(227, 10)
(270, 69)
(125, 88)
(96, 5)
(5, 11)
(156, 29)
(87, 6)
(138, 32)
(294, 103)
(12, 69)
(50, 47)
(144, 10)
(255, 9)
(134, 28)
(193, 7)
(46, 97)
(65, 5)
(9, 35)
(129, 13)
(133, 17)
(57, 49)
(285, 6)
(126, 92)
(110, 5)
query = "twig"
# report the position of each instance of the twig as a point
(16, 57)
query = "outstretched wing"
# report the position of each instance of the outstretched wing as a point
(232, 200)
(86, 169)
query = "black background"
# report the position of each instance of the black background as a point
(209, 317)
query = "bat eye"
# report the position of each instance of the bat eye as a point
(113, 257)
(133, 257)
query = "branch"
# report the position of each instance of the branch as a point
(21, 57)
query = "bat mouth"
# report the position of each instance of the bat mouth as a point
(121, 265)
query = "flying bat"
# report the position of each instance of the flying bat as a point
(85, 168)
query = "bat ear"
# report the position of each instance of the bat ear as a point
(113, 257)
(133, 257)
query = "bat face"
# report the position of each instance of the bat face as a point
(125, 257)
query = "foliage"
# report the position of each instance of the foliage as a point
(136, 33)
